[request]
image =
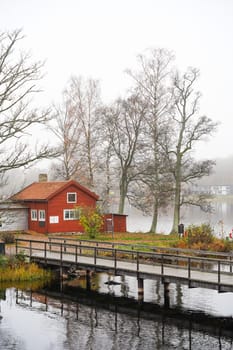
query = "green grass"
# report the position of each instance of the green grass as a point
(142, 239)
(146, 241)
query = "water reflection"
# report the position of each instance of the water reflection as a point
(93, 326)
(32, 285)
(181, 296)
(110, 317)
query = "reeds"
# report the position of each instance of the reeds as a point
(14, 269)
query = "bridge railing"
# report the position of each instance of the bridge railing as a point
(67, 252)
(140, 247)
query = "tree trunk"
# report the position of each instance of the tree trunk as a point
(90, 168)
(176, 214)
(123, 193)
(155, 217)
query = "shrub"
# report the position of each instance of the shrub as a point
(200, 246)
(220, 245)
(182, 243)
(91, 220)
(200, 234)
(7, 237)
(20, 257)
(3, 261)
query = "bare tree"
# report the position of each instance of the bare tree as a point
(85, 97)
(77, 127)
(123, 123)
(153, 84)
(107, 177)
(66, 126)
(187, 128)
(152, 190)
(18, 79)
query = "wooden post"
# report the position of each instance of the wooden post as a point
(30, 251)
(45, 252)
(76, 254)
(162, 268)
(137, 264)
(140, 289)
(61, 252)
(95, 252)
(61, 278)
(115, 261)
(166, 295)
(219, 274)
(189, 268)
(61, 269)
(88, 280)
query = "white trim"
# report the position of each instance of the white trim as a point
(33, 215)
(54, 219)
(71, 193)
(42, 217)
(70, 214)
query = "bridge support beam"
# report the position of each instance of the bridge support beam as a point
(140, 289)
(166, 294)
(88, 280)
(61, 278)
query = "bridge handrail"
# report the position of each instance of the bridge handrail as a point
(177, 257)
(136, 246)
(218, 266)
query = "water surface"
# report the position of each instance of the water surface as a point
(73, 318)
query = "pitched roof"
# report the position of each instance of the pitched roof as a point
(45, 190)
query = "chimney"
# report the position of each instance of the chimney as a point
(43, 177)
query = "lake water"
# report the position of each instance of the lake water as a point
(110, 317)
(221, 219)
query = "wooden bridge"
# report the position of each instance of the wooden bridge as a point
(193, 268)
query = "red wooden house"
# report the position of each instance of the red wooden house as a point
(52, 207)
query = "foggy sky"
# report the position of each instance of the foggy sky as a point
(101, 38)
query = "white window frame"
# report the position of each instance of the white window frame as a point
(41, 215)
(71, 193)
(72, 214)
(33, 215)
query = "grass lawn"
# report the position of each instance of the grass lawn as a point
(148, 239)
(159, 240)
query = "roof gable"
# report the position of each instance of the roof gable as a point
(43, 191)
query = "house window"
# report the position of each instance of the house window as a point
(70, 214)
(33, 215)
(71, 197)
(41, 215)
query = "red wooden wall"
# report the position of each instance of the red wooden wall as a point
(54, 208)
(119, 222)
